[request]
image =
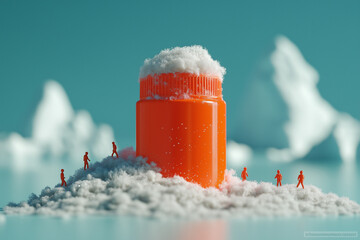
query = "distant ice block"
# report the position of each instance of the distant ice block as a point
(237, 154)
(130, 186)
(284, 112)
(347, 135)
(58, 132)
(2, 218)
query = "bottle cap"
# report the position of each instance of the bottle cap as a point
(180, 86)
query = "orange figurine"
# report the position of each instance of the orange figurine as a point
(114, 150)
(244, 174)
(278, 178)
(86, 159)
(301, 179)
(62, 177)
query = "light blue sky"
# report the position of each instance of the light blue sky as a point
(95, 49)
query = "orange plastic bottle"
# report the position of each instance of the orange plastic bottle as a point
(181, 126)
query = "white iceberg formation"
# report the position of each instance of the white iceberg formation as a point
(58, 132)
(130, 186)
(285, 112)
(192, 59)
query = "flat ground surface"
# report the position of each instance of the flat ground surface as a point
(330, 176)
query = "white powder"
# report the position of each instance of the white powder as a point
(130, 186)
(193, 59)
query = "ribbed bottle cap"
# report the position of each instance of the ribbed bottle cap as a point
(180, 86)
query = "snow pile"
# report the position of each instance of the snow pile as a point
(129, 185)
(58, 132)
(285, 112)
(193, 59)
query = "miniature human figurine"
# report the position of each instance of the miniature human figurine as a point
(244, 174)
(62, 177)
(86, 159)
(278, 178)
(114, 150)
(301, 179)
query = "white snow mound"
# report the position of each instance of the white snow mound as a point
(130, 186)
(191, 59)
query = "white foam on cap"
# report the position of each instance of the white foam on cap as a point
(192, 59)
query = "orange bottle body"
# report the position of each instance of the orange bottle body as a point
(184, 136)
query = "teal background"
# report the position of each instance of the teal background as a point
(95, 49)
